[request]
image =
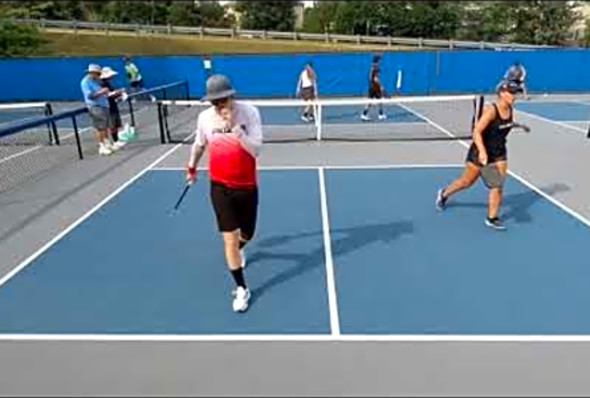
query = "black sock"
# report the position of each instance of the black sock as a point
(239, 278)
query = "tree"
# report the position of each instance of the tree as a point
(212, 14)
(267, 15)
(18, 39)
(140, 12)
(202, 13)
(544, 22)
(182, 13)
(487, 21)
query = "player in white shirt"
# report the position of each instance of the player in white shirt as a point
(307, 89)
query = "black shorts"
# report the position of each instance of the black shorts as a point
(375, 93)
(137, 84)
(307, 93)
(235, 208)
(494, 154)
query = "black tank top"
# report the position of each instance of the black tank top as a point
(494, 136)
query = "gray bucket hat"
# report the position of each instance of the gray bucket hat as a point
(218, 87)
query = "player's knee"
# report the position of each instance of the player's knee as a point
(231, 239)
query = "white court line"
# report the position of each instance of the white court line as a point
(352, 338)
(530, 185)
(556, 202)
(575, 121)
(16, 155)
(330, 279)
(544, 119)
(45, 247)
(343, 167)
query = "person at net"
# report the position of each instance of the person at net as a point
(517, 73)
(96, 100)
(488, 148)
(232, 132)
(114, 95)
(376, 90)
(307, 89)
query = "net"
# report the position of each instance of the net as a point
(33, 145)
(26, 110)
(11, 114)
(142, 106)
(402, 118)
(27, 152)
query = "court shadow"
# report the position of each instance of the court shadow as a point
(515, 207)
(344, 241)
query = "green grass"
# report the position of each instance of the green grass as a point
(66, 43)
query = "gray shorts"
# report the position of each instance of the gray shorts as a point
(100, 117)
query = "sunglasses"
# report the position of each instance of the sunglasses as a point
(220, 103)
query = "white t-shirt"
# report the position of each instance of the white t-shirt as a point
(305, 79)
(232, 152)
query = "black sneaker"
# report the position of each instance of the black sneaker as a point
(441, 201)
(495, 223)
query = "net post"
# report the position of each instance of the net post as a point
(77, 134)
(480, 107)
(161, 124)
(166, 126)
(474, 115)
(52, 126)
(319, 121)
(131, 114)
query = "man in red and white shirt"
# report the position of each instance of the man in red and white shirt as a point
(233, 133)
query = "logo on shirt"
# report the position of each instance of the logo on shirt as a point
(221, 130)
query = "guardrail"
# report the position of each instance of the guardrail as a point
(387, 41)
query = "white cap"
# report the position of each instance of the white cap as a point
(94, 68)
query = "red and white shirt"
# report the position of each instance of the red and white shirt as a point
(232, 149)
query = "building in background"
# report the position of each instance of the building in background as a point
(579, 29)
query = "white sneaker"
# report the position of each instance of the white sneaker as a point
(304, 118)
(241, 298)
(243, 265)
(365, 117)
(382, 117)
(119, 144)
(104, 150)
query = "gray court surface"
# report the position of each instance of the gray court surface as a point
(552, 159)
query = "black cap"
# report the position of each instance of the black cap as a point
(218, 87)
(512, 86)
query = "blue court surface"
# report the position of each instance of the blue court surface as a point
(561, 111)
(398, 265)
(336, 114)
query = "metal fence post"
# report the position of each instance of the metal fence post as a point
(77, 134)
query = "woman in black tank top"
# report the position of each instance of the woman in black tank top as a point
(488, 147)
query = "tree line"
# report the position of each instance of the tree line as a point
(531, 22)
